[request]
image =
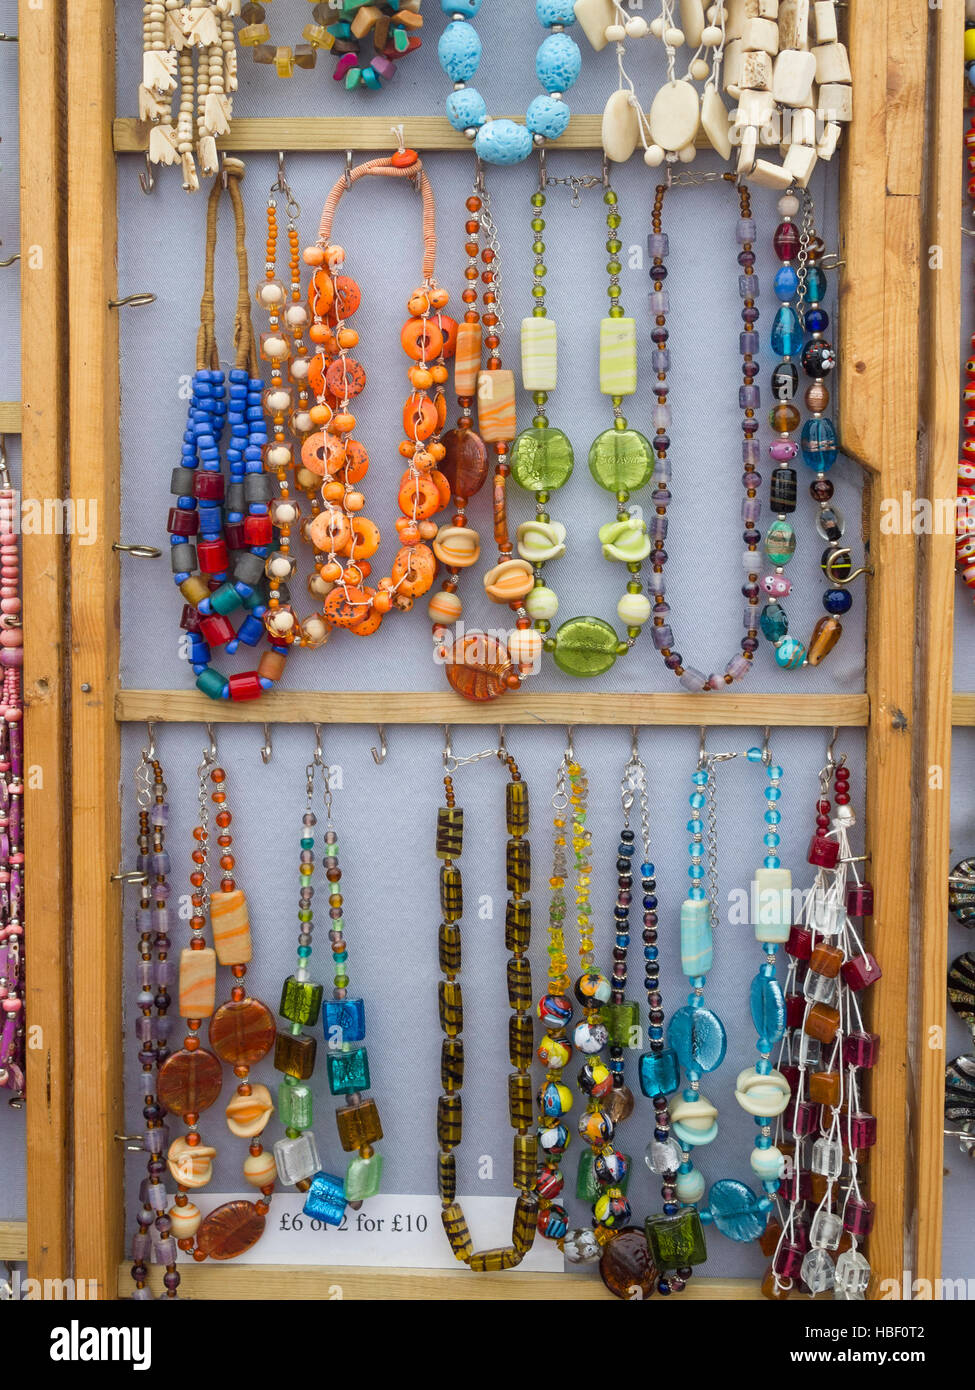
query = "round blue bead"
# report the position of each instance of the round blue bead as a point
(837, 600)
(459, 50)
(817, 321)
(551, 12)
(466, 109)
(547, 117)
(468, 8)
(503, 142)
(558, 62)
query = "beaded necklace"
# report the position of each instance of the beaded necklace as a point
(959, 1107)
(749, 399)
(171, 30)
(965, 519)
(230, 519)
(341, 29)
(557, 66)
(449, 844)
(153, 1239)
(241, 1032)
(429, 339)
(13, 1033)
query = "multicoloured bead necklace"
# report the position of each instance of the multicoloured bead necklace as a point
(960, 1071)
(965, 517)
(449, 844)
(153, 1240)
(13, 1033)
(557, 66)
(230, 519)
(241, 1032)
(749, 399)
(428, 338)
(341, 29)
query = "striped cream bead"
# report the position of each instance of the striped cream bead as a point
(617, 357)
(467, 358)
(231, 927)
(496, 406)
(197, 983)
(539, 354)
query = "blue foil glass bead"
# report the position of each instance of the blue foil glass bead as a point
(558, 62)
(325, 1199)
(547, 117)
(698, 1037)
(786, 332)
(815, 284)
(503, 142)
(837, 600)
(786, 282)
(459, 50)
(348, 1071)
(343, 1021)
(818, 443)
(735, 1210)
(767, 1003)
(659, 1073)
(466, 109)
(551, 12)
(790, 653)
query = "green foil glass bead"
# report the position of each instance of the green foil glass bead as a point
(348, 1071)
(362, 1177)
(780, 542)
(623, 1023)
(301, 1000)
(676, 1241)
(295, 1105)
(585, 647)
(621, 460)
(541, 459)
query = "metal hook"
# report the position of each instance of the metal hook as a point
(570, 751)
(10, 260)
(502, 747)
(318, 756)
(542, 177)
(266, 749)
(635, 741)
(142, 297)
(478, 174)
(211, 752)
(448, 752)
(835, 579)
(348, 168)
(702, 748)
(4, 474)
(606, 183)
(379, 754)
(142, 552)
(766, 746)
(130, 876)
(150, 752)
(147, 179)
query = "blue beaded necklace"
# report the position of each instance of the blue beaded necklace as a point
(557, 65)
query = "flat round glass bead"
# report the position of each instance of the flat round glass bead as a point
(735, 1210)
(541, 459)
(621, 460)
(585, 647)
(698, 1037)
(767, 1004)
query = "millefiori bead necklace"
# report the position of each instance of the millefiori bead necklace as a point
(555, 1012)
(13, 1031)
(153, 1241)
(749, 399)
(241, 1032)
(558, 63)
(428, 338)
(960, 1072)
(231, 518)
(449, 844)
(465, 462)
(171, 30)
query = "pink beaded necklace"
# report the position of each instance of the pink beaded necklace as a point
(12, 1030)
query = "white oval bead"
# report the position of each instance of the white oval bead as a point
(621, 126)
(715, 123)
(272, 294)
(278, 400)
(675, 116)
(279, 456)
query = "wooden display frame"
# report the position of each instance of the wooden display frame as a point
(880, 240)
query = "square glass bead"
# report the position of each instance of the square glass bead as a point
(325, 1199)
(852, 1273)
(819, 989)
(827, 1157)
(295, 1105)
(296, 1159)
(358, 1125)
(676, 1241)
(295, 1054)
(348, 1071)
(659, 1073)
(363, 1177)
(623, 1023)
(817, 1271)
(826, 1230)
(344, 1021)
(301, 1001)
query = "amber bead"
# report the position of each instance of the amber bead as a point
(521, 1107)
(524, 1222)
(824, 1088)
(517, 924)
(769, 1239)
(450, 832)
(455, 1225)
(519, 983)
(784, 417)
(451, 893)
(451, 1005)
(626, 1266)
(516, 808)
(230, 1230)
(819, 1186)
(446, 1177)
(358, 1125)
(190, 1082)
(451, 1064)
(772, 1290)
(826, 959)
(242, 1031)
(465, 463)
(449, 941)
(450, 1121)
(521, 1041)
(494, 1261)
(821, 1022)
(825, 636)
(295, 1055)
(524, 1161)
(518, 862)
(478, 666)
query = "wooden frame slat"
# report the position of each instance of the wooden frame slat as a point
(13, 1241)
(10, 416)
(42, 420)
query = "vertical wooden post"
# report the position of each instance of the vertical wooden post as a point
(879, 313)
(95, 467)
(43, 277)
(942, 259)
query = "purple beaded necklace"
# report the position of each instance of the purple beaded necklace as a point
(749, 400)
(12, 1031)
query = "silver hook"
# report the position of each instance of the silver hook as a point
(10, 260)
(211, 752)
(502, 747)
(835, 579)
(147, 179)
(635, 742)
(478, 174)
(149, 753)
(348, 168)
(379, 754)
(266, 749)
(702, 748)
(4, 474)
(318, 755)
(570, 751)
(142, 297)
(142, 552)
(448, 752)
(766, 746)
(542, 177)
(606, 183)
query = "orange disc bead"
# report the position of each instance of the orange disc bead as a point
(419, 497)
(321, 292)
(356, 462)
(404, 159)
(346, 606)
(370, 622)
(414, 570)
(419, 417)
(365, 538)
